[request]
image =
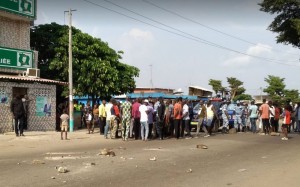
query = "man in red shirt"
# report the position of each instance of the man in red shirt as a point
(265, 115)
(177, 117)
(136, 115)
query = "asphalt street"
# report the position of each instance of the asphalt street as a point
(239, 160)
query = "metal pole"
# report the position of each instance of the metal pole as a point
(71, 104)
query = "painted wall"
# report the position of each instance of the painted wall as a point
(36, 122)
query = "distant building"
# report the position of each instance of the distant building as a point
(142, 90)
(258, 98)
(199, 91)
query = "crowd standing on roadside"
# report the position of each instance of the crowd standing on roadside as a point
(160, 119)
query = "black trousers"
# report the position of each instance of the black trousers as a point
(177, 127)
(171, 127)
(182, 128)
(187, 127)
(150, 130)
(266, 125)
(19, 124)
(137, 127)
(102, 123)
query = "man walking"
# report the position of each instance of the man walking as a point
(126, 118)
(18, 113)
(108, 107)
(202, 116)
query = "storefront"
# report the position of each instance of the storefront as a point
(40, 102)
(19, 73)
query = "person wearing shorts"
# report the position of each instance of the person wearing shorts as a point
(64, 124)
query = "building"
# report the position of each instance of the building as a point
(199, 91)
(142, 90)
(18, 69)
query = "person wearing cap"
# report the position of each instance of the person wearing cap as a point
(144, 120)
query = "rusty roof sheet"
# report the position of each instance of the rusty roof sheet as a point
(30, 79)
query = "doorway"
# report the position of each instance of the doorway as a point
(19, 91)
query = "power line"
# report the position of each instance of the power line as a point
(210, 28)
(206, 41)
(194, 38)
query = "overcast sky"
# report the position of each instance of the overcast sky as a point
(190, 56)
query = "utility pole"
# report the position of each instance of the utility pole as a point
(151, 80)
(71, 103)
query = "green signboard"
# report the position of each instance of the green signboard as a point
(25, 8)
(16, 58)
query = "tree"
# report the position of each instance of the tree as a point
(216, 85)
(242, 97)
(287, 21)
(97, 70)
(277, 92)
(236, 86)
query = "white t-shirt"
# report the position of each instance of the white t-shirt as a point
(108, 111)
(143, 110)
(272, 109)
(186, 112)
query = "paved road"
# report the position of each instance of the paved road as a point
(230, 160)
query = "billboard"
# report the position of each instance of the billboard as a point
(25, 8)
(16, 58)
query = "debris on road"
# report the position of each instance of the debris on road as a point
(189, 170)
(232, 131)
(264, 157)
(275, 134)
(242, 170)
(62, 170)
(152, 159)
(90, 164)
(52, 177)
(18, 163)
(107, 152)
(202, 146)
(38, 162)
(122, 148)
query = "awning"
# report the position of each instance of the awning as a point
(29, 79)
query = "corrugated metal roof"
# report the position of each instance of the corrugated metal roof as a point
(201, 88)
(29, 79)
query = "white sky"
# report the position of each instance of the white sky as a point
(178, 62)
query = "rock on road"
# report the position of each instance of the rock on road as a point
(229, 160)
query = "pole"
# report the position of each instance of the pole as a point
(71, 104)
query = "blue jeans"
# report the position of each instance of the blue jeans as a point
(253, 124)
(144, 127)
(106, 128)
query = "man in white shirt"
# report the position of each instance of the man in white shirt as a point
(144, 120)
(186, 120)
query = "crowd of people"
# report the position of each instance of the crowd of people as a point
(159, 119)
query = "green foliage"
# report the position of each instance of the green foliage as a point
(276, 90)
(287, 21)
(216, 85)
(97, 70)
(236, 86)
(242, 97)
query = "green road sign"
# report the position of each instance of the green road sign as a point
(15, 58)
(25, 8)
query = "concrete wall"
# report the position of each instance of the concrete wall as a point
(35, 123)
(14, 33)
